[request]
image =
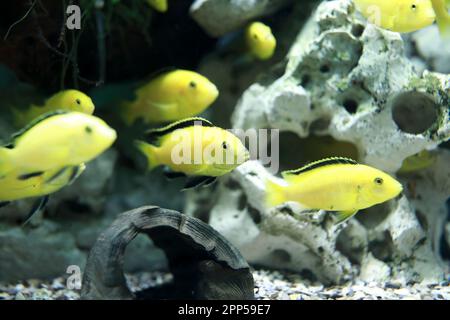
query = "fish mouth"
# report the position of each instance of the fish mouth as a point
(213, 90)
(110, 136)
(399, 190)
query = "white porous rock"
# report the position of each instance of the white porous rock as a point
(218, 17)
(374, 270)
(433, 48)
(353, 82)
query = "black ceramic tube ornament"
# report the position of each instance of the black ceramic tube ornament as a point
(203, 263)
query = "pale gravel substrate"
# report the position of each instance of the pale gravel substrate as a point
(269, 285)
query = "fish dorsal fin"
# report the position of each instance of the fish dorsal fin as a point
(154, 134)
(33, 123)
(319, 164)
(155, 74)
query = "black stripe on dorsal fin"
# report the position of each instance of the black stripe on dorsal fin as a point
(153, 135)
(33, 123)
(319, 164)
(155, 74)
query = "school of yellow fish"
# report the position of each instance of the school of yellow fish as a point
(61, 136)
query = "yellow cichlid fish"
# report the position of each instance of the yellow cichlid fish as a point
(195, 148)
(334, 184)
(56, 140)
(69, 100)
(260, 41)
(406, 15)
(419, 161)
(159, 5)
(171, 96)
(17, 186)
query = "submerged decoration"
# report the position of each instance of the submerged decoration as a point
(203, 263)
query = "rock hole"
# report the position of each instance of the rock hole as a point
(280, 256)
(422, 219)
(306, 79)
(254, 214)
(414, 112)
(349, 246)
(324, 68)
(357, 30)
(382, 248)
(319, 125)
(242, 203)
(350, 105)
(232, 184)
(308, 274)
(373, 216)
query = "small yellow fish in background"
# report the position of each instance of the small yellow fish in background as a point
(68, 100)
(194, 148)
(334, 184)
(406, 15)
(56, 140)
(40, 185)
(419, 161)
(159, 5)
(441, 8)
(260, 41)
(171, 96)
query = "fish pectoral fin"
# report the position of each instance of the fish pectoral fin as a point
(345, 215)
(169, 174)
(37, 207)
(198, 181)
(76, 172)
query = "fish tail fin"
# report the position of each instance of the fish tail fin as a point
(443, 20)
(126, 113)
(150, 152)
(5, 160)
(274, 194)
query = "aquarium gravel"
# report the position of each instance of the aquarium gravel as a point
(269, 285)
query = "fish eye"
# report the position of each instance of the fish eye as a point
(414, 6)
(224, 145)
(78, 101)
(192, 84)
(378, 181)
(255, 36)
(88, 129)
